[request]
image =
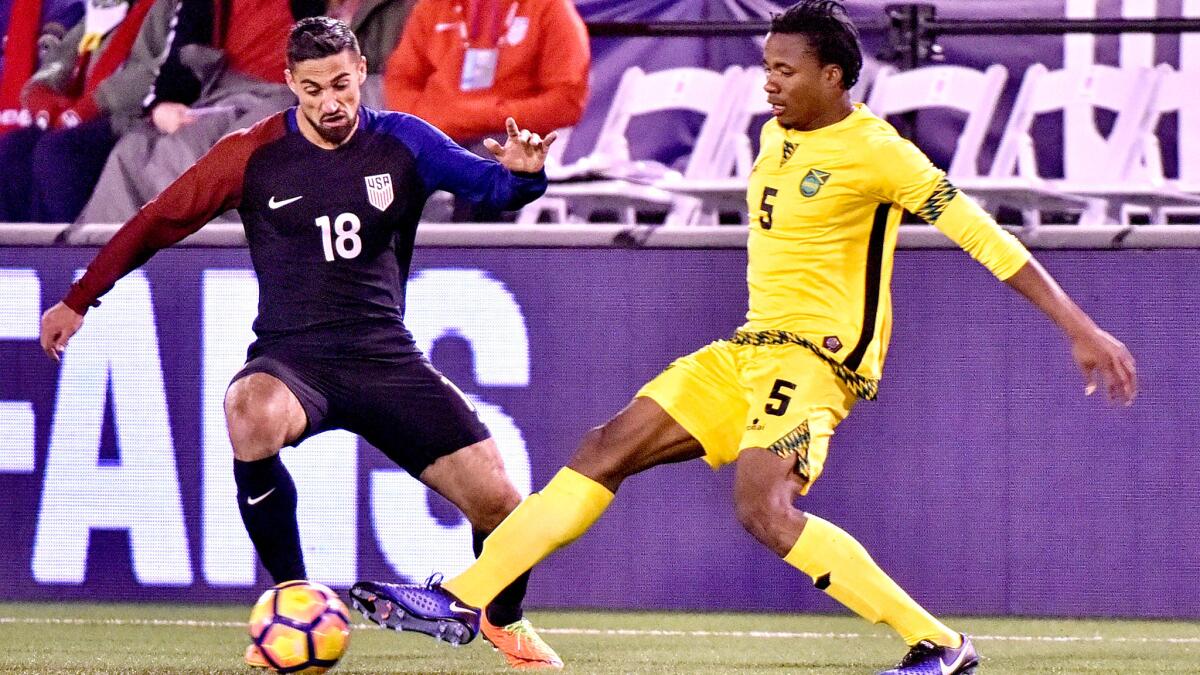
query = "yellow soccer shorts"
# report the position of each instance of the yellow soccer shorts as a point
(734, 396)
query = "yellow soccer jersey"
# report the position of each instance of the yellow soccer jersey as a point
(825, 209)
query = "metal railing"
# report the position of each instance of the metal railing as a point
(913, 30)
(598, 235)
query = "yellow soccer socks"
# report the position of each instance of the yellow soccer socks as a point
(543, 523)
(841, 567)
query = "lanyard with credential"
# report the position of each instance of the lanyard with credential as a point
(481, 52)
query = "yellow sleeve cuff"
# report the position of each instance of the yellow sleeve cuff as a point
(968, 225)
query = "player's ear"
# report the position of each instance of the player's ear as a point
(291, 82)
(833, 74)
(362, 70)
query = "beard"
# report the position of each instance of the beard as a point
(335, 133)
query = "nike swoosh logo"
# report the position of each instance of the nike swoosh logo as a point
(447, 25)
(455, 607)
(254, 500)
(952, 667)
(274, 204)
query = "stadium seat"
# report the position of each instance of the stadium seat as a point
(1176, 94)
(958, 88)
(1188, 132)
(1098, 189)
(613, 179)
(720, 187)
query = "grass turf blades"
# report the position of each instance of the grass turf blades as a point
(134, 639)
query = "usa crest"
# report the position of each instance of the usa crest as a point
(379, 190)
(813, 180)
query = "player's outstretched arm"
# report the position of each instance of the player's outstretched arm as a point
(211, 186)
(59, 323)
(524, 151)
(1103, 359)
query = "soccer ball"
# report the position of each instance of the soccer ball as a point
(300, 627)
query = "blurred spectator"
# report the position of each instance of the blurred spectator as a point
(58, 21)
(378, 25)
(5, 13)
(38, 28)
(234, 53)
(466, 65)
(89, 85)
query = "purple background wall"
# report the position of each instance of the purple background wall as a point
(982, 478)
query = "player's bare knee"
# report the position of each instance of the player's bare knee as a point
(257, 416)
(253, 418)
(752, 513)
(487, 510)
(253, 440)
(764, 514)
(487, 519)
(602, 457)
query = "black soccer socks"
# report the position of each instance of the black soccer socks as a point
(267, 500)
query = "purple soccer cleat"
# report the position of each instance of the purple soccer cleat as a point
(427, 609)
(926, 658)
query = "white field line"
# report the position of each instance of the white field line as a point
(620, 632)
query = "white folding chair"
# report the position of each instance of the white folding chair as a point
(1178, 94)
(1188, 134)
(722, 186)
(966, 90)
(742, 124)
(625, 184)
(892, 92)
(709, 157)
(1101, 188)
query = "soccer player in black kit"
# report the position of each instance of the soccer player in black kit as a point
(330, 194)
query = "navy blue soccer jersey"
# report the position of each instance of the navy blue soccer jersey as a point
(331, 232)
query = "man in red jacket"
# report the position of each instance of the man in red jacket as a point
(232, 53)
(73, 104)
(465, 65)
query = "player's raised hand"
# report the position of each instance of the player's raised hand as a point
(59, 323)
(523, 151)
(1106, 362)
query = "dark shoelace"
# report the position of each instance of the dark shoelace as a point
(919, 652)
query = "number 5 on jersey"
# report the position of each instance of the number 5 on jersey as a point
(340, 236)
(780, 397)
(767, 208)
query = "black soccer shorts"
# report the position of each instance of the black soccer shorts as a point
(403, 405)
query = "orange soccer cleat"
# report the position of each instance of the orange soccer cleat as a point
(521, 645)
(254, 658)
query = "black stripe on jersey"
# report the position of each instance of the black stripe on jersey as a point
(874, 274)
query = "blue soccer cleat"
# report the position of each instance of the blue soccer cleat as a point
(926, 658)
(427, 609)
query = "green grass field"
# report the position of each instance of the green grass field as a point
(90, 638)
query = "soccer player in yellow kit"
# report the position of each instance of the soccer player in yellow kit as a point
(826, 196)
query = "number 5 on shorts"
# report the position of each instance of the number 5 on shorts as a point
(778, 404)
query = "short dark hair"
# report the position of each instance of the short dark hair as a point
(829, 30)
(317, 37)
